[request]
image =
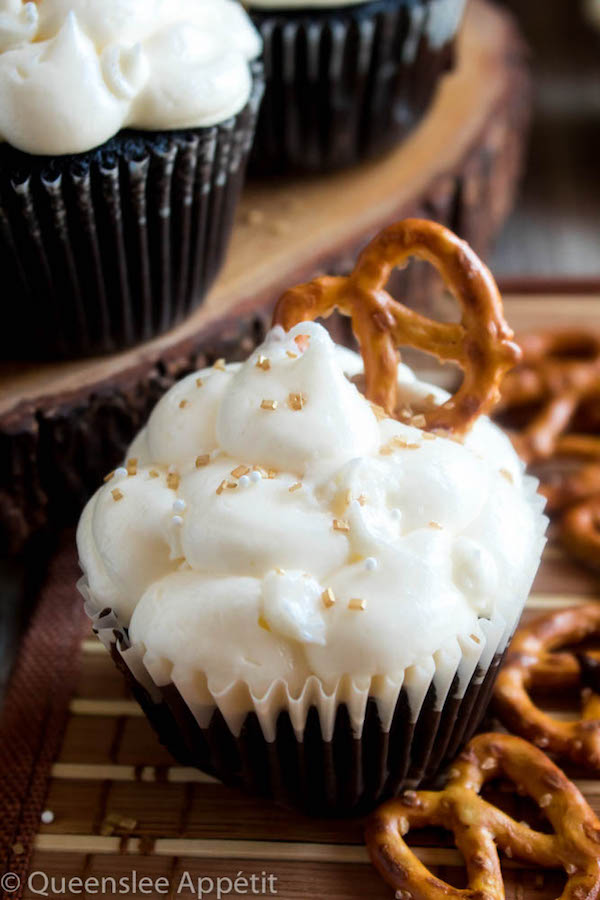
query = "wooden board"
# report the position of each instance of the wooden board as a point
(185, 821)
(61, 424)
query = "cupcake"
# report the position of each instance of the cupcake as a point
(347, 81)
(125, 130)
(308, 597)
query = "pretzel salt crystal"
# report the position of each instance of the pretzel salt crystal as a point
(481, 343)
(479, 827)
(531, 663)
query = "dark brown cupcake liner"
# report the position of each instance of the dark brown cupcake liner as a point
(105, 249)
(345, 84)
(346, 775)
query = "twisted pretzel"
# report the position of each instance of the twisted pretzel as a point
(481, 343)
(479, 826)
(532, 664)
(559, 378)
(560, 374)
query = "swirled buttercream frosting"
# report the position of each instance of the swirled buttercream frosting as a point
(269, 524)
(75, 72)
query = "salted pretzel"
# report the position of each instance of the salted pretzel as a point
(559, 379)
(479, 827)
(481, 343)
(559, 374)
(531, 663)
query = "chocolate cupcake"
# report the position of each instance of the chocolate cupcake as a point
(347, 81)
(308, 597)
(126, 132)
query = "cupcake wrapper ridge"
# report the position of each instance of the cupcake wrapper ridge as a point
(109, 248)
(348, 83)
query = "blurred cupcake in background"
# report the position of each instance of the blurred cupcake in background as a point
(592, 9)
(126, 129)
(347, 81)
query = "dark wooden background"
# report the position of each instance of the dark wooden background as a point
(553, 233)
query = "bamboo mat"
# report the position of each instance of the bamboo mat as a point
(121, 805)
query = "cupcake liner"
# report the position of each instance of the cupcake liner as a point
(347, 83)
(109, 248)
(331, 750)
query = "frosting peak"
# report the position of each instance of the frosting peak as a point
(148, 64)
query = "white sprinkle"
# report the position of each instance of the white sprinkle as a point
(244, 481)
(120, 473)
(47, 817)
(370, 564)
(179, 505)
(177, 520)
(255, 476)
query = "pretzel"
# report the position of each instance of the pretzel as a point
(560, 373)
(532, 664)
(481, 343)
(479, 827)
(559, 377)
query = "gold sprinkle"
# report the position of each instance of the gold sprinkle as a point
(222, 487)
(428, 436)
(268, 404)
(340, 525)
(475, 638)
(199, 382)
(357, 604)
(272, 473)
(430, 398)
(413, 446)
(348, 497)
(419, 421)
(202, 460)
(291, 354)
(436, 525)
(117, 494)
(219, 364)
(132, 466)
(379, 412)
(231, 485)
(239, 471)
(153, 473)
(362, 499)
(386, 450)
(328, 598)
(280, 571)
(296, 401)
(295, 487)
(263, 363)
(183, 404)
(173, 480)
(508, 475)
(263, 623)
(109, 476)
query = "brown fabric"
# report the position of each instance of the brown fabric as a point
(35, 712)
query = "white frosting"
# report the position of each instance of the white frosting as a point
(75, 72)
(223, 586)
